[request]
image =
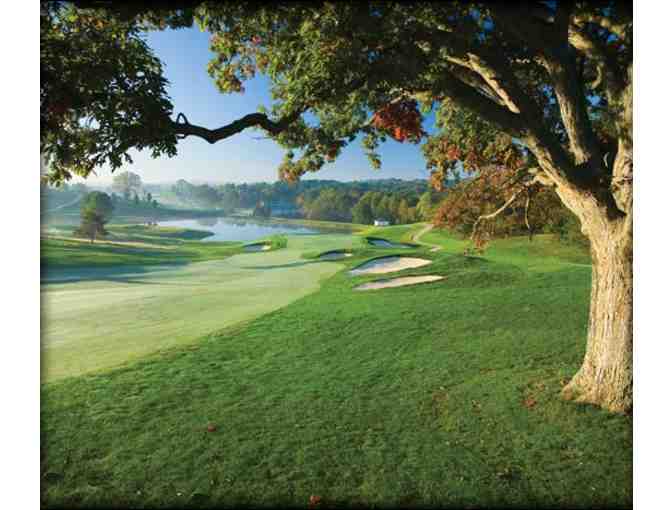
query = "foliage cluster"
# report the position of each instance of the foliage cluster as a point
(96, 211)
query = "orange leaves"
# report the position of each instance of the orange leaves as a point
(288, 174)
(401, 120)
(453, 153)
(436, 179)
(529, 402)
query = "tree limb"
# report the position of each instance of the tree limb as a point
(527, 215)
(559, 61)
(468, 97)
(621, 182)
(471, 78)
(183, 128)
(549, 40)
(619, 29)
(499, 81)
(495, 213)
(596, 52)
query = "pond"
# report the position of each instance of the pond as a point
(236, 229)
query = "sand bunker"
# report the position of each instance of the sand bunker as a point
(258, 247)
(398, 282)
(389, 265)
(334, 255)
(384, 243)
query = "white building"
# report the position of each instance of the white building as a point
(381, 223)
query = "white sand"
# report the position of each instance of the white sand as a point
(386, 244)
(257, 247)
(334, 255)
(389, 265)
(398, 282)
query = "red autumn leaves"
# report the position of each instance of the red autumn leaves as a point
(332, 152)
(401, 120)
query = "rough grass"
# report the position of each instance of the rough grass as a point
(444, 394)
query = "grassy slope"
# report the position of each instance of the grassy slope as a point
(439, 394)
(99, 317)
(128, 212)
(133, 244)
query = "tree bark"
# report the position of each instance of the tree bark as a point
(605, 377)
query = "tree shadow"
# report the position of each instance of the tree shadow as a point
(284, 266)
(119, 273)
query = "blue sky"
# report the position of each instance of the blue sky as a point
(243, 157)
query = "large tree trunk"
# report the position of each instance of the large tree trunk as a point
(605, 378)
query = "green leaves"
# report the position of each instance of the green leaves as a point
(102, 92)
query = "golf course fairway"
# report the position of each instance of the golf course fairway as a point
(97, 318)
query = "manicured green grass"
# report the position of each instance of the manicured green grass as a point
(129, 212)
(396, 233)
(133, 245)
(102, 316)
(442, 394)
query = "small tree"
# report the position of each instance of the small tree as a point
(127, 183)
(96, 211)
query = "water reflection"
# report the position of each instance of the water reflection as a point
(207, 222)
(236, 229)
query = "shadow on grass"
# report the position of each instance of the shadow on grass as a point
(284, 266)
(124, 274)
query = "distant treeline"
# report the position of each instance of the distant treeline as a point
(394, 200)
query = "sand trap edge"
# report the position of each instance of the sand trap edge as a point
(361, 270)
(384, 243)
(389, 283)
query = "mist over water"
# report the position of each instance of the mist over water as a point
(234, 229)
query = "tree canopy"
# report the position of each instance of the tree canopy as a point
(96, 211)
(127, 183)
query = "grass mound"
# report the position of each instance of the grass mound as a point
(132, 245)
(384, 243)
(334, 255)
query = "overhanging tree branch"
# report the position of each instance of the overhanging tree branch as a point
(495, 213)
(183, 128)
(616, 28)
(596, 52)
(560, 63)
(468, 97)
